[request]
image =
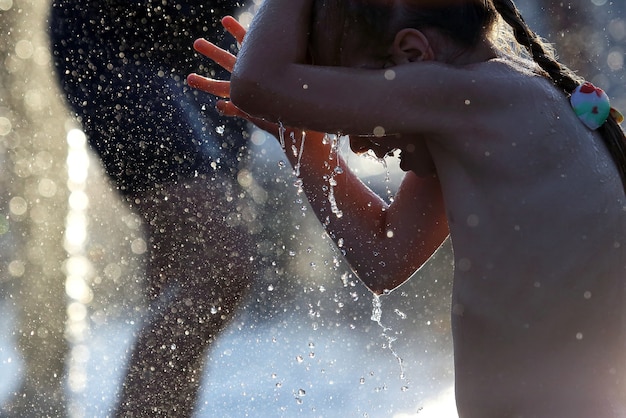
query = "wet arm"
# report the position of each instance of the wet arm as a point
(277, 38)
(273, 80)
(383, 243)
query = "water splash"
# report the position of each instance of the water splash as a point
(370, 154)
(377, 313)
(332, 182)
(298, 152)
(387, 180)
(281, 134)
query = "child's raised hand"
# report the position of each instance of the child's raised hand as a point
(221, 88)
(223, 58)
(234, 28)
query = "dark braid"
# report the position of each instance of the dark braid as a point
(563, 77)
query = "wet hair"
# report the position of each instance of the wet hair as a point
(465, 22)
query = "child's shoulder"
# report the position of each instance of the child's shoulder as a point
(494, 95)
(509, 69)
(511, 77)
(489, 88)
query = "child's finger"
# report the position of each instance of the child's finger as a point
(227, 108)
(234, 28)
(224, 58)
(218, 88)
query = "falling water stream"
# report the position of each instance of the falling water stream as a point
(334, 159)
(337, 170)
(389, 338)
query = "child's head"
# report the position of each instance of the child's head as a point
(342, 27)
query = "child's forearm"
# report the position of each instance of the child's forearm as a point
(368, 231)
(278, 37)
(352, 214)
(384, 244)
(278, 34)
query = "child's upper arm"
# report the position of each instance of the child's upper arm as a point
(413, 98)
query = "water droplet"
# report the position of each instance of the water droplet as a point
(281, 134)
(390, 75)
(400, 313)
(473, 221)
(5, 126)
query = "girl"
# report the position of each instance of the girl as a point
(531, 196)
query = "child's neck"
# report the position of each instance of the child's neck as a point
(483, 51)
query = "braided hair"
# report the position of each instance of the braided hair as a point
(564, 78)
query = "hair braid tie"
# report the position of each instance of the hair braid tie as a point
(591, 104)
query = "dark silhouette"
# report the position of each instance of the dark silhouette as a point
(122, 65)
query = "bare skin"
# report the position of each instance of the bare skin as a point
(534, 205)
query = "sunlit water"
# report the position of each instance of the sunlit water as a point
(388, 334)
(79, 269)
(273, 370)
(328, 352)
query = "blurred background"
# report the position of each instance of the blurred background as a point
(304, 344)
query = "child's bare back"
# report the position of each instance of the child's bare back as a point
(536, 212)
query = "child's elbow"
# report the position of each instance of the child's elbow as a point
(383, 282)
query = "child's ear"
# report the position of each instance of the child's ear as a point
(411, 45)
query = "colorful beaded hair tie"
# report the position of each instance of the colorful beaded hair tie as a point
(592, 106)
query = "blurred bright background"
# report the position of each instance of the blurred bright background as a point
(304, 344)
